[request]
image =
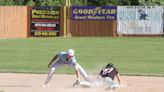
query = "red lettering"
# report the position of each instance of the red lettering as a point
(44, 20)
(45, 28)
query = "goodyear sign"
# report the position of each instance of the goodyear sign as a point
(94, 13)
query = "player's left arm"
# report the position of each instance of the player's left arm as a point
(53, 59)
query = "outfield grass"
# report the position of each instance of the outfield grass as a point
(143, 56)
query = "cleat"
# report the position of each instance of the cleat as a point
(88, 80)
(45, 85)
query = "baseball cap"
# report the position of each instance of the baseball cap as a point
(70, 52)
(109, 65)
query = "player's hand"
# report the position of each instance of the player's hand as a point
(78, 80)
(119, 82)
(99, 77)
(76, 83)
(49, 65)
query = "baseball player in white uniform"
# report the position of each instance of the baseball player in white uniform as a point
(65, 58)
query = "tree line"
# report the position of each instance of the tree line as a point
(79, 2)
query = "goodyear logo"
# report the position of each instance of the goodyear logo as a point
(94, 13)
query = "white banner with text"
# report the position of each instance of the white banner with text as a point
(140, 20)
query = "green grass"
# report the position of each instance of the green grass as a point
(143, 56)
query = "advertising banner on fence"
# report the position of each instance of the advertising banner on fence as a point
(163, 20)
(45, 20)
(139, 20)
(94, 13)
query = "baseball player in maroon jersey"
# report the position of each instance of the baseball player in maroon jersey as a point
(106, 77)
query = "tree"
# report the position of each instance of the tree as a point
(104, 2)
(30, 3)
(6, 2)
(77, 2)
(18, 2)
(93, 3)
(151, 2)
(85, 2)
(81, 2)
(134, 2)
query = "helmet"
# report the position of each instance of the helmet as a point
(70, 52)
(109, 65)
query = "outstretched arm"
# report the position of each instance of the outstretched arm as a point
(78, 75)
(78, 78)
(118, 78)
(54, 58)
(77, 72)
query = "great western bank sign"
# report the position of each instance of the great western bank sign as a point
(94, 13)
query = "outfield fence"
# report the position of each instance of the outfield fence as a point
(114, 21)
(14, 22)
(87, 21)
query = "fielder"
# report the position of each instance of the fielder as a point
(65, 58)
(106, 78)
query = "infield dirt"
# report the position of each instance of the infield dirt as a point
(13, 82)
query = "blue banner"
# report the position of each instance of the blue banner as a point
(94, 13)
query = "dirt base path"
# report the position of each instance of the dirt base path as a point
(12, 82)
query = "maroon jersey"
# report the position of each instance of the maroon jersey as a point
(109, 72)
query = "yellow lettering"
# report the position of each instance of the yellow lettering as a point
(85, 11)
(108, 11)
(96, 10)
(80, 11)
(90, 11)
(37, 33)
(75, 11)
(39, 12)
(113, 11)
(33, 11)
(103, 11)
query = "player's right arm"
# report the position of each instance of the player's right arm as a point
(78, 75)
(53, 59)
(77, 71)
(118, 76)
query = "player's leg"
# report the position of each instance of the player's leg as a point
(112, 85)
(51, 71)
(85, 84)
(50, 74)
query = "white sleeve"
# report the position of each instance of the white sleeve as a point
(76, 66)
(111, 69)
(73, 60)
